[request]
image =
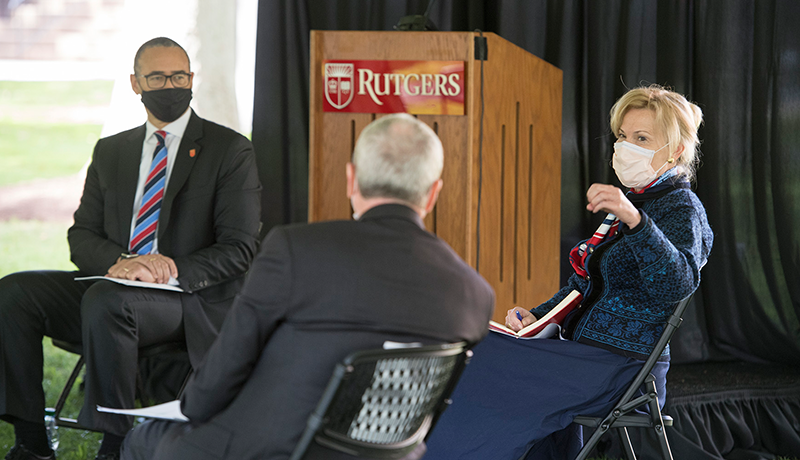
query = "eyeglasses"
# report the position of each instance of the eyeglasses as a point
(158, 81)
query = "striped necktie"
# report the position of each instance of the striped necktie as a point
(147, 220)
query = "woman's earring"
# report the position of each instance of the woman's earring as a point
(671, 160)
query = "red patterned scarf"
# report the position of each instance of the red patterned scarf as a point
(578, 254)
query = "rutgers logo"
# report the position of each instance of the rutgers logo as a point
(418, 87)
(339, 84)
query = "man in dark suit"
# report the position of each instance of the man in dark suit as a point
(320, 291)
(175, 201)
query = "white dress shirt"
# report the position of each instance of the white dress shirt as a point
(174, 132)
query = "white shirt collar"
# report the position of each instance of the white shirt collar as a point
(176, 128)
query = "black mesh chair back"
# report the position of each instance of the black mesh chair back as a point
(383, 403)
(641, 392)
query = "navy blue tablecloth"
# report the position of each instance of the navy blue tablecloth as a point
(516, 392)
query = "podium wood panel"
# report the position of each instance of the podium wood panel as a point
(517, 250)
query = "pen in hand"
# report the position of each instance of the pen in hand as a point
(519, 317)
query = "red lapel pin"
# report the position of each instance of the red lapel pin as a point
(192, 153)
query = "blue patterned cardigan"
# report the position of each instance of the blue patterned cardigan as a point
(636, 279)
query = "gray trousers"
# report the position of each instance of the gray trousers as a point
(111, 321)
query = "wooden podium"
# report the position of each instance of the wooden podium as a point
(517, 246)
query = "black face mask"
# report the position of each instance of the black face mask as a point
(167, 104)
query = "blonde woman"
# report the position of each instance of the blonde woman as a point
(520, 396)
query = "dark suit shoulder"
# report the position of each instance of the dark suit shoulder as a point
(215, 130)
(108, 149)
(313, 228)
(345, 230)
(385, 240)
(332, 234)
(229, 146)
(399, 278)
(129, 135)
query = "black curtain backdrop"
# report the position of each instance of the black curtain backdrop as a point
(738, 59)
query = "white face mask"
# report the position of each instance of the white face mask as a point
(632, 164)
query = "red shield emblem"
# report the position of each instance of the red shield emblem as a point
(339, 84)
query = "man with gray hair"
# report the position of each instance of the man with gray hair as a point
(317, 292)
(397, 158)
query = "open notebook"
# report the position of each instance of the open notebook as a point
(546, 326)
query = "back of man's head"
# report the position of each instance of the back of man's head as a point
(398, 156)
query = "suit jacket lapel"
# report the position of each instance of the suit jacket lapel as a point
(130, 158)
(188, 152)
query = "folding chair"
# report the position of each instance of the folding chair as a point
(622, 416)
(144, 352)
(383, 403)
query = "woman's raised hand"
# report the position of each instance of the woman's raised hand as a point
(607, 198)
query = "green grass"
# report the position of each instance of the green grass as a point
(38, 135)
(74, 444)
(27, 245)
(55, 93)
(32, 245)
(32, 151)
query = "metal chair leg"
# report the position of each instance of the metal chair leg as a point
(658, 425)
(185, 382)
(73, 377)
(629, 402)
(625, 442)
(62, 399)
(595, 438)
